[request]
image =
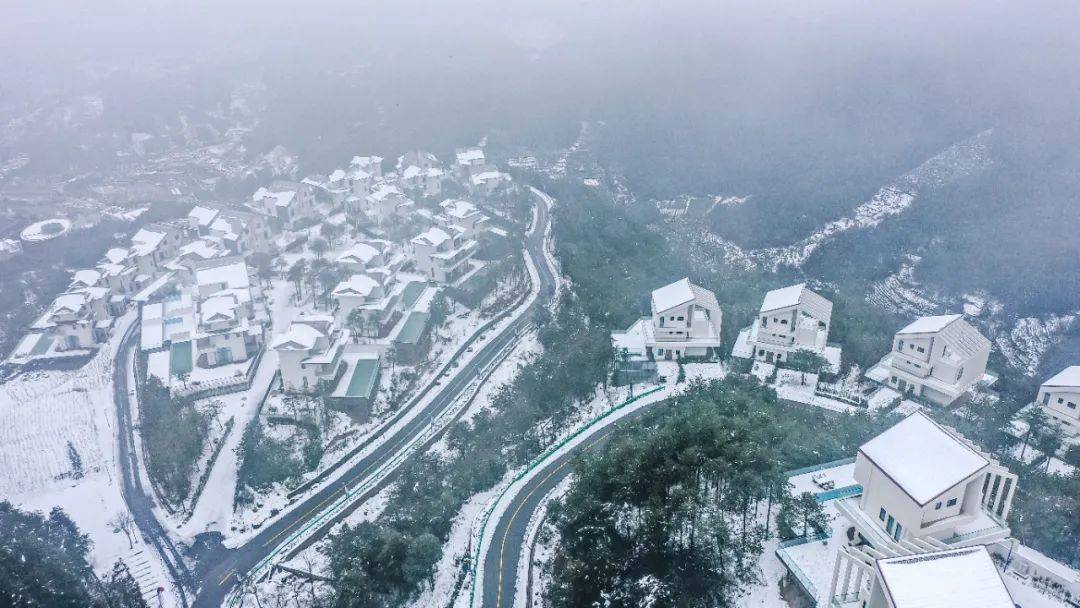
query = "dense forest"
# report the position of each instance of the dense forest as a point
(43, 562)
(673, 510)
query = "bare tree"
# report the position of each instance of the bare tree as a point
(122, 522)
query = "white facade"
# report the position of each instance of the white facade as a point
(790, 319)
(442, 255)
(1060, 399)
(309, 353)
(927, 493)
(464, 216)
(685, 322)
(937, 358)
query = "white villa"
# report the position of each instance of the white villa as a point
(371, 165)
(938, 358)
(957, 578)
(384, 202)
(464, 216)
(442, 255)
(309, 353)
(685, 322)
(360, 256)
(1060, 399)
(790, 319)
(286, 201)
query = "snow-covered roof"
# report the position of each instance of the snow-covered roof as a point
(218, 308)
(961, 578)
(360, 252)
(300, 336)
(200, 248)
(468, 156)
(337, 175)
(88, 278)
(358, 284)
(281, 198)
(486, 176)
(929, 325)
(203, 216)
(69, 302)
(670, 296)
(432, 236)
(457, 208)
(798, 295)
(365, 161)
(1068, 378)
(116, 255)
(383, 191)
(234, 275)
(410, 172)
(922, 458)
(146, 241)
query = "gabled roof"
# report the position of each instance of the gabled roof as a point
(433, 237)
(358, 284)
(922, 458)
(300, 336)
(365, 161)
(360, 252)
(467, 156)
(961, 578)
(87, 278)
(234, 275)
(670, 296)
(145, 241)
(929, 325)
(219, 308)
(203, 215)
(459, 209)
(1066, 378)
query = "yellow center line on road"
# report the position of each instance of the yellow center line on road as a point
(227, 576)
(510, 523)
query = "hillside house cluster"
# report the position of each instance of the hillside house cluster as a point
(916, 518)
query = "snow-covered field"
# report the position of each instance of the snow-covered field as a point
(49, 415)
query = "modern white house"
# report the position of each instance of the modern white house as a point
(930, 503)
(685, 322)
(284, 200)
(469, 158)
(442, 255)
(937, 358)
(790, 319)
(372, 165)
(464, 216)
(1059, 397)
(309, 353)
(359, 257)
(955, 578)
(385, 202)
(485, 179)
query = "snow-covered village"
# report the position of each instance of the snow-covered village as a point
(561, 305)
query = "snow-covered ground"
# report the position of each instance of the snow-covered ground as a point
(44, 413)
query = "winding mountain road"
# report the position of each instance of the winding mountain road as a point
(233, 565)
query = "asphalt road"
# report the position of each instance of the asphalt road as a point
(504, 552)
(136, 497)
(232, 565)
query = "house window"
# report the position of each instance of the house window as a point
(921, 349)
(1072, 406)
(1060, 401)
(661, 321)
(896, 533)
(1046, 398)
(783, 321)
(937, 507)
(764, 321)
(761, 353)
(889, 525)
(659, 351)
(952, 502)
(959, 373)
(680, 318)
(881, 514)
(900, 345)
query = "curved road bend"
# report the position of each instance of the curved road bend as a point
(137, 499)
(509, 535)
(235, 563)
